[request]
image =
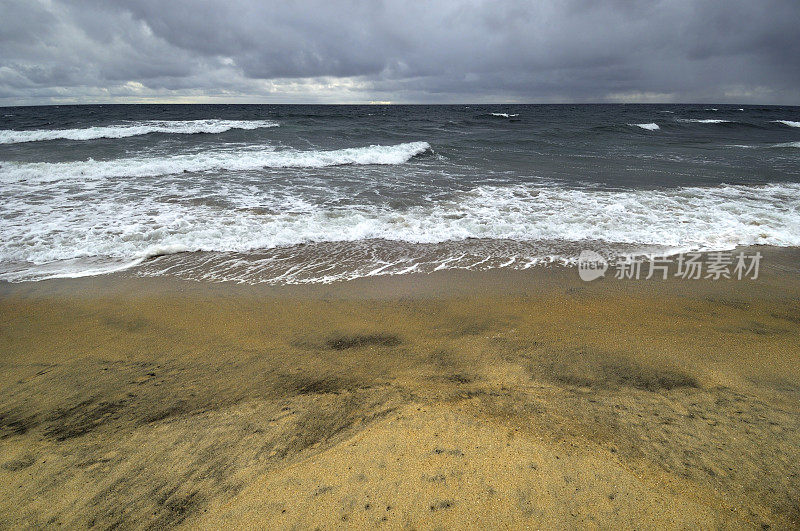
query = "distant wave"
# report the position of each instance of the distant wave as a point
(787, 122)
(649, 126)
(503, 114)
(704, 121)
(788, 145)
(186, 127)
(235, 160)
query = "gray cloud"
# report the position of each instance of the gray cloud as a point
(362, 50)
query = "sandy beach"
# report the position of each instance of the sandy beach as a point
(399, 265)
(489, 399)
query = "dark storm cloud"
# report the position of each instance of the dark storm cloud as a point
(361, 50)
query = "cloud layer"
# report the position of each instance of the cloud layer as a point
(81, 51)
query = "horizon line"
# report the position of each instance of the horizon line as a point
(392, 104)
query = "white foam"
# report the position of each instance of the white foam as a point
(787, 122)
(788, 144)
(504, 114)
(233, 160)
(78, 271)
(649, 126)
(72, 225)
(704, 121)
(10, 136)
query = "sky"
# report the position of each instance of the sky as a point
(399, 51)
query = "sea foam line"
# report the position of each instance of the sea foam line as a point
(186, 127)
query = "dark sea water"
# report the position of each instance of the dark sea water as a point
(298, 193)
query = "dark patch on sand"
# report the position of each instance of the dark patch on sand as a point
(321, 490)
(455, 452)
(792, 315)
(175, 509)
(13, 424)
(443, 358)
(589, 368)
(735, 304)
(303, 384)
(348, 341)
(84, 417)
(756, 328)
(177, 409)
(318, 425)
(18, 464)
(459, 378)
(162, 503)
(441, 505)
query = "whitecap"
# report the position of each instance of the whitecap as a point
(788, 145)
(649, 126)
(185, 127)
(704, 121)
(233, 160)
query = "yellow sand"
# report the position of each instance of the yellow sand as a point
(496, 399)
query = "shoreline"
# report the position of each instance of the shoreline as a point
(328, 262)
(779, 260)
(487, 397)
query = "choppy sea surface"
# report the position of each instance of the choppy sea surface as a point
(307, 193)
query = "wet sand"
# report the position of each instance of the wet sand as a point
(456, 399)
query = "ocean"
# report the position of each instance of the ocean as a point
(289, 194)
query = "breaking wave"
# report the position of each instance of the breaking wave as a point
(234, 160)
(186, 127)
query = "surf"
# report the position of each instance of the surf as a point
(124, 130)
(231, 160)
